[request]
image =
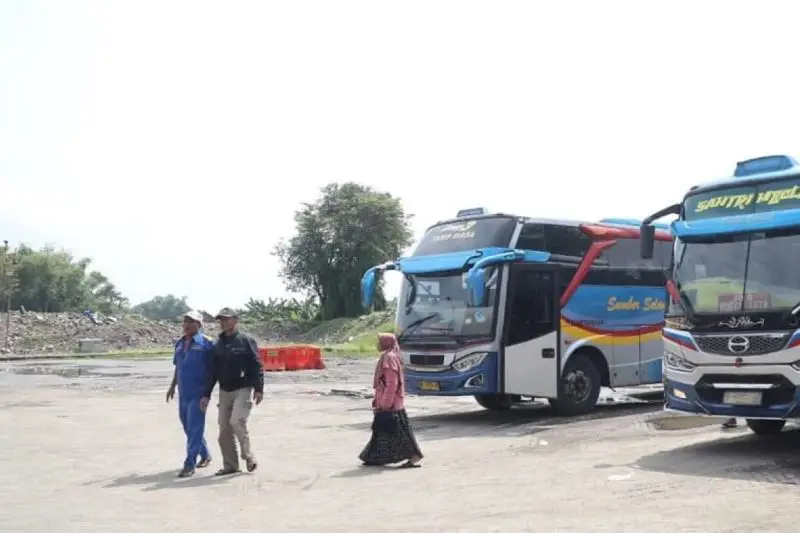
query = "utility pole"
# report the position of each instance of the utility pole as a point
(6, 265)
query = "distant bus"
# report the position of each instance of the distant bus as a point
(731, 341)
(507, 309)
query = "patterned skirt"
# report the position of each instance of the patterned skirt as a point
(385, 449)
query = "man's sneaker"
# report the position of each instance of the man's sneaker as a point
(730, 424)
(186, 472)
(227, 472)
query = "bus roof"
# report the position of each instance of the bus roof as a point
(754, 171)
(633, 222)
(613, 227)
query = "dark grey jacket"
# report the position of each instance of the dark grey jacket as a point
(236, 365)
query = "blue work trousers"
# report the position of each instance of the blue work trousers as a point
(193, 420)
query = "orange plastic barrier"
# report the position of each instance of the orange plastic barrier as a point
(315, 360)
(271, 359)
(313, 357)
(292, 357)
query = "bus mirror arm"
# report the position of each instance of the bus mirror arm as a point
(647, 235)
(370, 281)
(674, 209)
(476, 277)
(412, 292)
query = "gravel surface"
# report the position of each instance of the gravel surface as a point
(92, 447)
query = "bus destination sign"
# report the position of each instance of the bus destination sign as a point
(743, 200)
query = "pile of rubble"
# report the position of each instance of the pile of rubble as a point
(31, 332)
(62, 333)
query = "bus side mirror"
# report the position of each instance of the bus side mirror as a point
(476, 287)
(647, 241)
(368, 283)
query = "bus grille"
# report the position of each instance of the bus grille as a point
(742, 344)
(783, 390)
(427, 360)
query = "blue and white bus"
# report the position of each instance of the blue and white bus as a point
(731, 340)
(506, 308)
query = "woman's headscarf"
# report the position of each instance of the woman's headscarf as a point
(387, 342)
(390, 358)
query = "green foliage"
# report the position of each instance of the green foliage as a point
(163, 307)
(279, 311)
(351, 335)
(50, 280)
(363, 343)
(349, 229)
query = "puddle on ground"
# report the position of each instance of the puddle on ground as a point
(24, 403)
(87, 374)
(139, 374)
(77, 371)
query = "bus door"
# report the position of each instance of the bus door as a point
(532, 336)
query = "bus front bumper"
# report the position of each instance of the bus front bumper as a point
(480, 379)
(702, 391)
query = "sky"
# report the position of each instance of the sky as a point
(171, 141)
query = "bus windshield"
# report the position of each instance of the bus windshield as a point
(440, 308)
(739, 273)
(461, 235)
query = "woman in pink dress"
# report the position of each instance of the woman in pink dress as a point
(392, 438)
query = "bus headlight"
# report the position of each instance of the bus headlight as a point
(677, 362)
(469, 361)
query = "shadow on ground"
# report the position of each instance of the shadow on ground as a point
(363, 471)
(519, 421)
(749, 457)
(167, 480)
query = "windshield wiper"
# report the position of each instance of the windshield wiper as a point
(685, 302)
(793, 311)
(417, 323)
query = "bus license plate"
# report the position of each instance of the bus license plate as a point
(429, 386)
(742, 398)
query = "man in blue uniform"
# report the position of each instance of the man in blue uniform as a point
(193, 362)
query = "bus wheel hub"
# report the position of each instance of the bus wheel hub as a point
(577, 386)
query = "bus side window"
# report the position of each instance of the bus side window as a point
(662, 253)
(565, 275)
(531, 237)
(627, 266)
(566, 240)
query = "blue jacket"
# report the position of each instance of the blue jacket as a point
(194, 365)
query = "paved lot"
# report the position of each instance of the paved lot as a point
(97, 450)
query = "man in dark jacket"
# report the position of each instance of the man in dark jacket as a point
(237, 368)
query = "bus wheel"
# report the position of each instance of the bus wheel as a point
(495, 402)
(765, 427)
(579, 387)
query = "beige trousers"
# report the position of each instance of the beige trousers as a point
(234, 410)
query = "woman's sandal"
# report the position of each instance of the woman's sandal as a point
(409, 464)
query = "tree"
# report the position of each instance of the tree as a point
(163, 307)
(50, 280)
(282, 310)
(8, 281)
(349, 229)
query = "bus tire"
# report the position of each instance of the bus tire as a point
(579, 387)
(765, 427)
(495, 402)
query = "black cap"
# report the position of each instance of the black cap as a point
(226, 312)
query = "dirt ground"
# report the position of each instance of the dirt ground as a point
(96, 449)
